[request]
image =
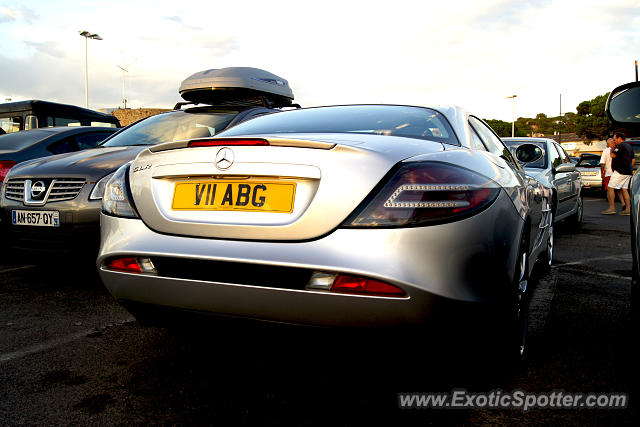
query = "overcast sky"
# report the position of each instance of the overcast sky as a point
(469, 53)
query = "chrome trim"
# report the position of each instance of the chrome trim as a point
(59, 189)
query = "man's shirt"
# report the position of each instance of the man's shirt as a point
(621, 163)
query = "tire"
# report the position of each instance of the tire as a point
(510, 345)
(517, 337)
(575, 220)
(547, 256)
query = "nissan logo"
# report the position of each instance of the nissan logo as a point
(224, 158)
(37, 189)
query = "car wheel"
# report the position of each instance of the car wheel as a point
(547, 256)
(520, 307)
(576, 219)
(512, 344)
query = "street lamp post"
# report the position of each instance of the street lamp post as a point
(87, 35)
(513, 116)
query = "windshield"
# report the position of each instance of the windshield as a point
(172, 126)
(541, 163)
(394, 120)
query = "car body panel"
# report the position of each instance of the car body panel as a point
(416, 259)
(470, 260)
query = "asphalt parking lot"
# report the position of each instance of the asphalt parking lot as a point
(70, 355)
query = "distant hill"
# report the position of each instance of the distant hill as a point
(130, 115)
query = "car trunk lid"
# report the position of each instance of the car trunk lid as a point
(295, 188)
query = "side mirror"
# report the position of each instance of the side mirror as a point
(623, 106)
(565, 167)
(528, 153)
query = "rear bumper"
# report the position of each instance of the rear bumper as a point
(444, 270)
(591, 181)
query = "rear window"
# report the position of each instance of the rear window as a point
(541, 163)
(589, 162)
(412, 122)
(20, 140)
(10, 124)
(172, 126)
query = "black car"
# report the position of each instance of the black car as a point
(26, 145)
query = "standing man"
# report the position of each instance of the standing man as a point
(622, 165)
(605, 164)
(606, 172)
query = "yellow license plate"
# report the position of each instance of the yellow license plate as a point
(225, 195)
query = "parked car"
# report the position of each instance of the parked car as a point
(33, 114)
(589, 168)
(554, 170)
(54, 204)
(635, 144)
(27, 145)
(623, 110)
(350, 216)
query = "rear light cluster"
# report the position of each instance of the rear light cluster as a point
(348, 284)
(228, 142)
(5, 165)
(130, 264)
(423, 193)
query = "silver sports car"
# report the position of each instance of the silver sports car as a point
(361, 215)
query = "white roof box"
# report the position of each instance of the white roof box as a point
(236, 85)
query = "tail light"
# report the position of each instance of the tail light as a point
(228, 142)
(130, 265)
(5, 165)
(361, 285)
(347, 284)
(423, 193)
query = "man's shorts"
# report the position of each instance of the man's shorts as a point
(619, 181)
(605, 181)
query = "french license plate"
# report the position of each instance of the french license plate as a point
(226, 195)
(39, 218)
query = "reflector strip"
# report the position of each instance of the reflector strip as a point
(228, 142)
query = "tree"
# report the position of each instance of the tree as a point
(591, 121)
(503, 129)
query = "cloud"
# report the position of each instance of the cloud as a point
(45, 77)
(179, 20)
(47, 48)
(10, 14)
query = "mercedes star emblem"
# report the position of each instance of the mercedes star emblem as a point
(224, 158)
